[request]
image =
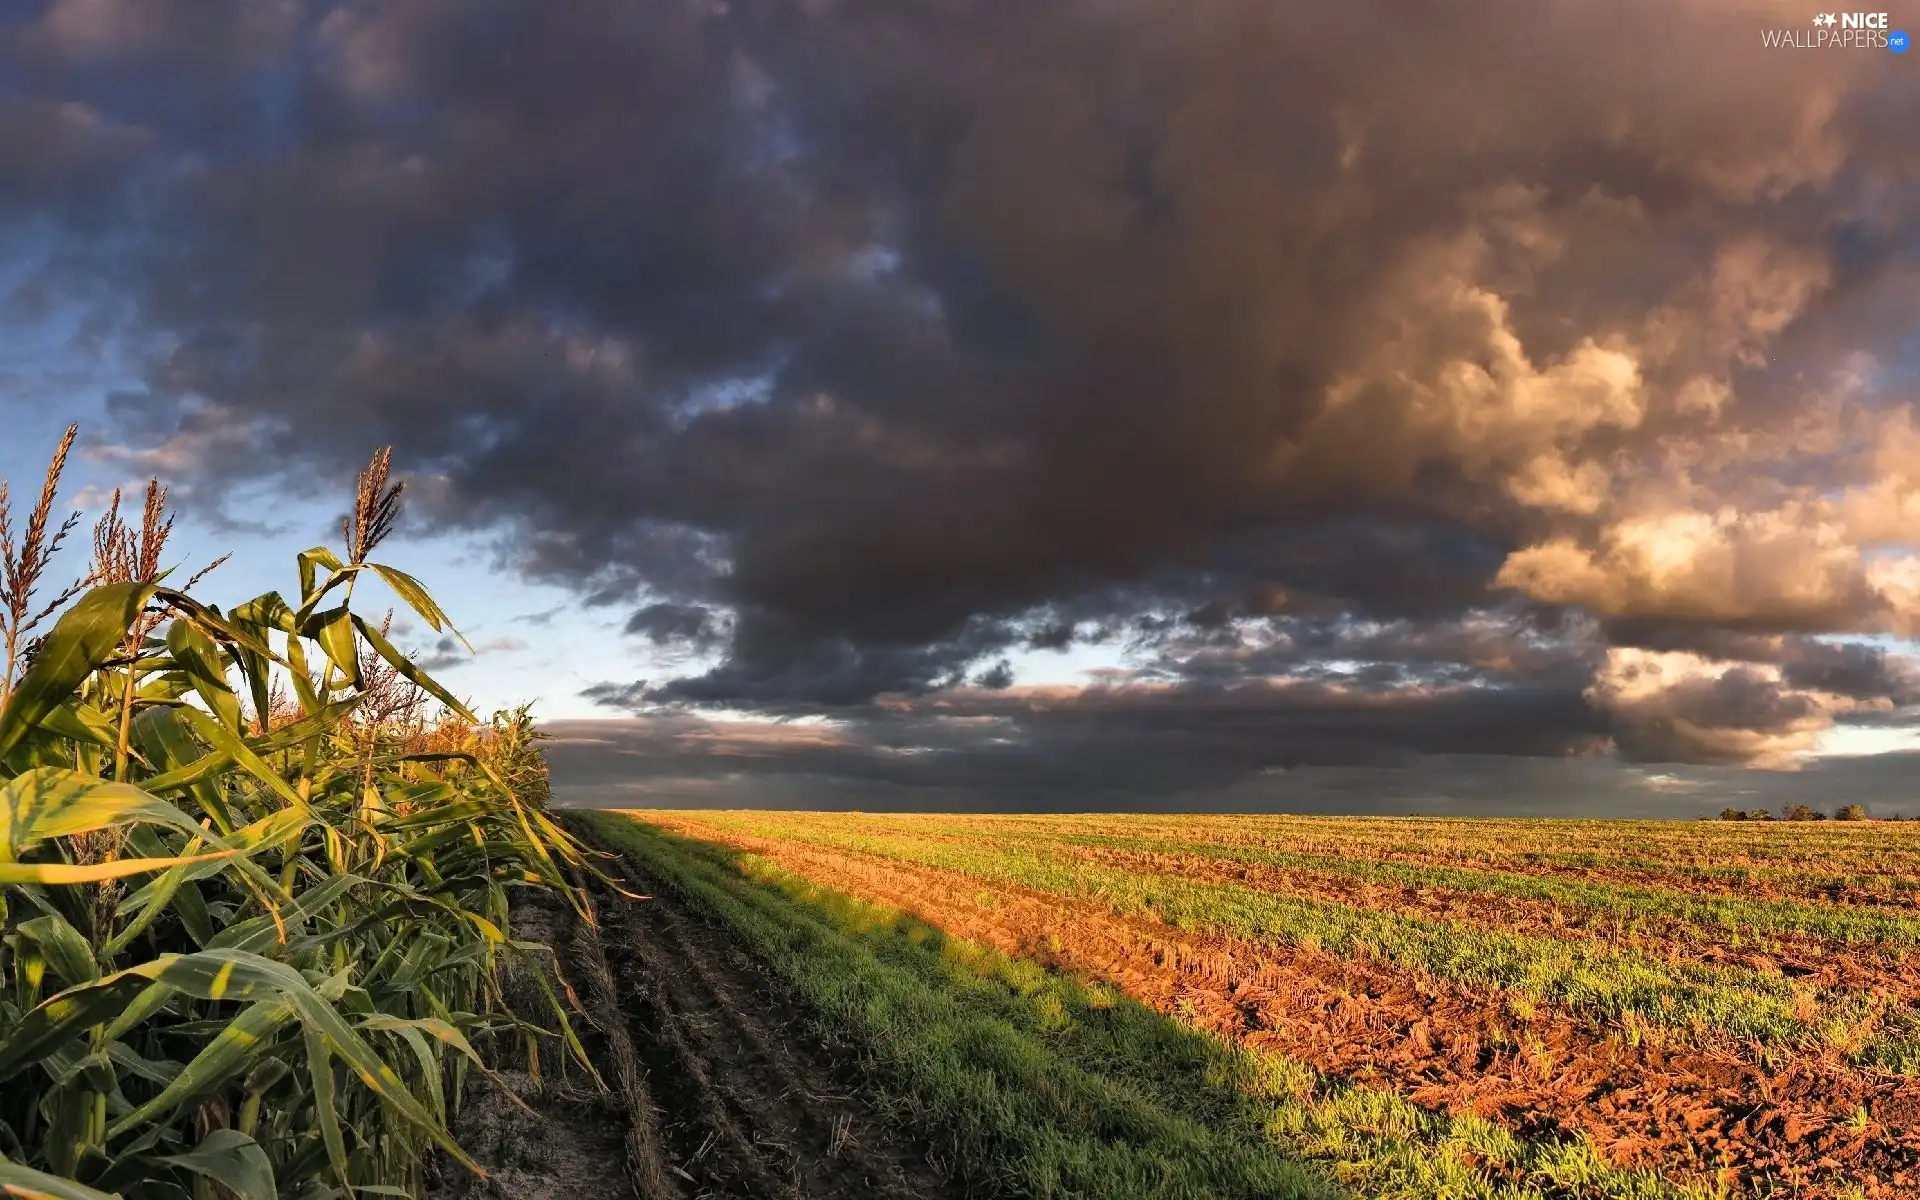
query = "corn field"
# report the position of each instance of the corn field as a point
(254, 876)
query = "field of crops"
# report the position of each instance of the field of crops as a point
(272, 901)
(1212, 1006)
(255, 871)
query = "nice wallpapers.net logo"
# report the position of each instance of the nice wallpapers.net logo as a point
(1839, 31)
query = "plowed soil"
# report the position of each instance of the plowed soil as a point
(717, 1084)
(1812, 1123)
(1814, 962)
(1877, 885)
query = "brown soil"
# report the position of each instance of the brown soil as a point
(715, 1085)
(1811, 961)
(567, 1147)
(1810, 1121)
(1856, 875)
(1771, 880)
(754, 1103)
(1808, 959)
(550, 1133)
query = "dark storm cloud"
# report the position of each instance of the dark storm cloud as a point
(62, 157)
(675, 624)
(1145, 741)
(1855, 671)
(860, 345)
(685, 761)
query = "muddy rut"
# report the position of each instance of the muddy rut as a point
(716, 1084)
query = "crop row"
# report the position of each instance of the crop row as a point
(1049, 1085)
(1630, 905)
(1608, 985)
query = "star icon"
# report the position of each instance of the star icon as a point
(1824, 19)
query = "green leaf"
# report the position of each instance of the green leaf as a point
(226, 975)
(430, 1071)
(213, 626)
(228, 742)
(139, 1066)
(413, 674)
(234, 1160)
(51, 802)
(267, 833)
(62, 946)
(25, 1183)
(419, 600)
(85, 636)
(320, 1070)
(459, 810)
(230, 1053)
(293, 733)
(311, 562)
(265, 611)
(302, 677)
(63, 1016)
(191, 907)
(333, 629)
(77, 722)
(196, 655)
(47, 874)
(259, 934)
(163, 736)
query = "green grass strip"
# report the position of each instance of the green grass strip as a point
(1043, 1085)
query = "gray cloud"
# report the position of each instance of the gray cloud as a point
(1399, 398)
(685, 761)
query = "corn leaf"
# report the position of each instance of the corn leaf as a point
(419, 600)
(233, 1160)
(24, 1183)
(404, 665)
(51, 802)
(196, 655)
(85, 636)
(232, 1051)
(333, 629)
(62, 946)
(228, 742)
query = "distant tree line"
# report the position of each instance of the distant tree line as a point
(1802, 812)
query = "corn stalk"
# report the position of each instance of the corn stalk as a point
(281, 975)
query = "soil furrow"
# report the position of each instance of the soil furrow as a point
(755, 1105)
(546, 1134)
(717, 1086)
(1808, 959)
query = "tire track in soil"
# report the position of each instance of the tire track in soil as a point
(752, 1103)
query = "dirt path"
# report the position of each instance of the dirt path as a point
(551, 1137)
(754, 1104)
(717, 1085)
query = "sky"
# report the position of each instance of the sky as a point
(1445, 406)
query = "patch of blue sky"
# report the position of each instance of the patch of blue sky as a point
(536, 643)
(874, 262)
(53, 372)
(1076, 665)
(1857, 741)
(726, 395)
(1891, 643)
